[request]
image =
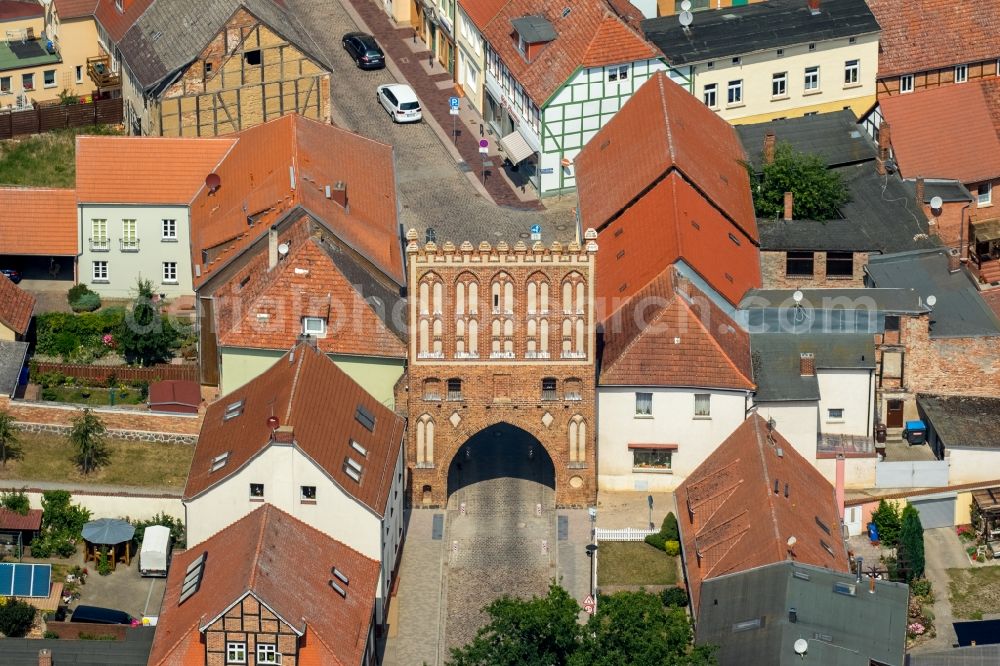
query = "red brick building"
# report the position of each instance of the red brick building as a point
(501, 336)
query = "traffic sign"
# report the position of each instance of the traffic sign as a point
(484, 146)
(536, 232)
(589, 605)
(453, 102)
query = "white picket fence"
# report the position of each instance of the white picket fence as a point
(623, 534)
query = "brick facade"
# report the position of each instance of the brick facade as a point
(249, 622)
(773, 268)
(493, 343)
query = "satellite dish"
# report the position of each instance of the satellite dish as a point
(213, 182)
(283, 249)
(792, 541)
(797, 296)
(686, 18)
(936, 203)
(686, 6)
(931, 300)
(801, 646)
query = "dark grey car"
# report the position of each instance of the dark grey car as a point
(364, 49)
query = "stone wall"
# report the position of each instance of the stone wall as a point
(955, 366)
(121, 423)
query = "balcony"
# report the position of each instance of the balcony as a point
(99, 71)
(23, 49)
(129, 244)
(100, 245)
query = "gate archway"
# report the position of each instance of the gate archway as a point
(500, 451)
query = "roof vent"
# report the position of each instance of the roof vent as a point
(192, 578)
(218, 462)
(566, 11)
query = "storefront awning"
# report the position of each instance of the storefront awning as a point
(516, 148)
(986, 231)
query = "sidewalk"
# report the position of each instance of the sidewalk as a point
(433, 85)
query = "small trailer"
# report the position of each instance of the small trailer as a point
(154, 558)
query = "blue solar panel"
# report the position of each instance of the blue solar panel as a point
(25, 580)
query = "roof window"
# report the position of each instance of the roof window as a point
(218, 462)
(365, 418)
(233, 410)
(352, 468)
(192, 578)
(360, 449)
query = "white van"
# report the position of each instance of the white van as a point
(154, 558)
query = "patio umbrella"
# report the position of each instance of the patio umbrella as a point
(108, 531)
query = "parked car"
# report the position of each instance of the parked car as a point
(15, 276)
(98, 615)
(400, 102)
(364, 49)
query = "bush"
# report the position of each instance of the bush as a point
(16, 501)
(674, 597)
(672, 548)
(103, 563)
(176, 526)
(920, 587)
(656, 541)
(911, 542)
(669, 529)
(16, 618)
(77, 337)
(82, 299)
(887, 519)
(50, 634)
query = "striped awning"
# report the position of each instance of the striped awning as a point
(516, 148)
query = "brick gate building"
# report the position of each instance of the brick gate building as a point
(501, 334)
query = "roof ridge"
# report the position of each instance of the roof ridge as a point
(755, 425)
(295, 380)
(265, 515)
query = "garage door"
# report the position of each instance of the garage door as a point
(935, 511)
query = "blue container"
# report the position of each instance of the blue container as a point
(872, 533)
(915, 432)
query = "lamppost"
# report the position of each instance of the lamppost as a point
(592, 554)
(649, 499)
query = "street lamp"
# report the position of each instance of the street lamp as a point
(592, 554)
(649, 499)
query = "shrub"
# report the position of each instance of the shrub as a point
(674, 597)
(176, 526)
(16, 501)
(920, 587)
(16, 618)
(656, 541)
(672, 548)
(103, 563)
(887, 519)
(911, 542)
(82, 299)
(669, 529)
(50, 634)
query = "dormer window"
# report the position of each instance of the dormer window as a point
(530, 31)
(314, 326)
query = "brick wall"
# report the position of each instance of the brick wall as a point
(772, 268)
(956, 366)
(99, 373)
(121, 423)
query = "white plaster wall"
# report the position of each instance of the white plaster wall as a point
(392, 537)
(135, 507)
(972, 465)
(850, 390)
(672, 422)
(798, 422)
(858, 472)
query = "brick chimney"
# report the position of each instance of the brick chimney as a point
(284, 434)
(45, 657)
(769, 144)
(788, 206)
(884, 141)
(920, 190)
(338, 193)
(954, 260)
(272, 247)
(807, 364)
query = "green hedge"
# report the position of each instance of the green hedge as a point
(77, 337)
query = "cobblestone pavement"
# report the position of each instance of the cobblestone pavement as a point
(434, 191)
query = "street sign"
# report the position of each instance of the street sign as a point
(536, 232)
(453, 103)
(589, 605)
(484, 146)
(453, 111)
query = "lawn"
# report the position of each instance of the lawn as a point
(44, 160)
(974, 591)
(49, 457)
(634, 563)
(88, 395)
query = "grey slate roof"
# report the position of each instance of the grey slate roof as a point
(825, 311)
(960, 310)
(768, 25)
(534, 29)
(133, 651)
(979, 655)
(841, 629)
(948, 190)
(775, 359)
(963, 421)
(11, 361)
(894, 301)
(170, 34)
(835, 137)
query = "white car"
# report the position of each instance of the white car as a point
(400, 102)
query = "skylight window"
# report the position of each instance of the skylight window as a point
(360, 449)
(233, 410)
(192, 578)
(847, 589)
(352, 468)
(365, 418)
(341, 576)
(219, 461)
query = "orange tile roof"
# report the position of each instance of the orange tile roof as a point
(481, 11)
(38, 220)
(930, 34)
(15, 9)
(966, 148)
(307, 283)
(732, 520)
(16, 307)
(591, 35)
(670, 334)
(115, 22)
(70, 9)
(286, 565)
(663, 127)
(257, 181)
(307, 391)
(144, 170)
(11, 520)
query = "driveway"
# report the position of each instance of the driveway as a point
(942, 551)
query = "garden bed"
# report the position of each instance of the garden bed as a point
(634, 563)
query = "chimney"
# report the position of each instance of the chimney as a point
(807, 364)
(920, 190)
(954, 260)
(272, 247)
(884, 141)
(814, 7)
(769, 143)
(788, 206)
(840, 484)
(283, 435)
(45, 657)
(859, 563)
(338, 193)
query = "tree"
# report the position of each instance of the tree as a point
(144, 337)
(9, 443)
(59, 514)
(817, 192)
(886, 519)
(87, 435)
(16, 618)
(911, 542)
(16, 501)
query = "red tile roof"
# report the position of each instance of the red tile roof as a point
(115, 22)
(966, 148)
(286, 565)
(16, 307)
(481, 11)
(15, 9)
(992, 298)
(38, 220)
(70, 9)
(11, 520)
(145, 170)
(175, 392)
(309, 393)
(732, 520)
(670, 334)
(307, 283)
(590, 35)
(257, 181)
(663, 127)
(930, 34)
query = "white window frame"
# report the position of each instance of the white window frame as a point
(640, 411)
(55, 79)
(811, 77)
(308, 330)
(169, 230)
(737, 87)
(707, 399)
(262, 494)
(835, 418)
(169, 272)
(130, 234)
(852, 72)
(267, 653)
(905, 84)
(779, 80)
(302, 494)
(236, 652)
(961, 73)
(99, 271)
(984, 194)
(710, 89)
